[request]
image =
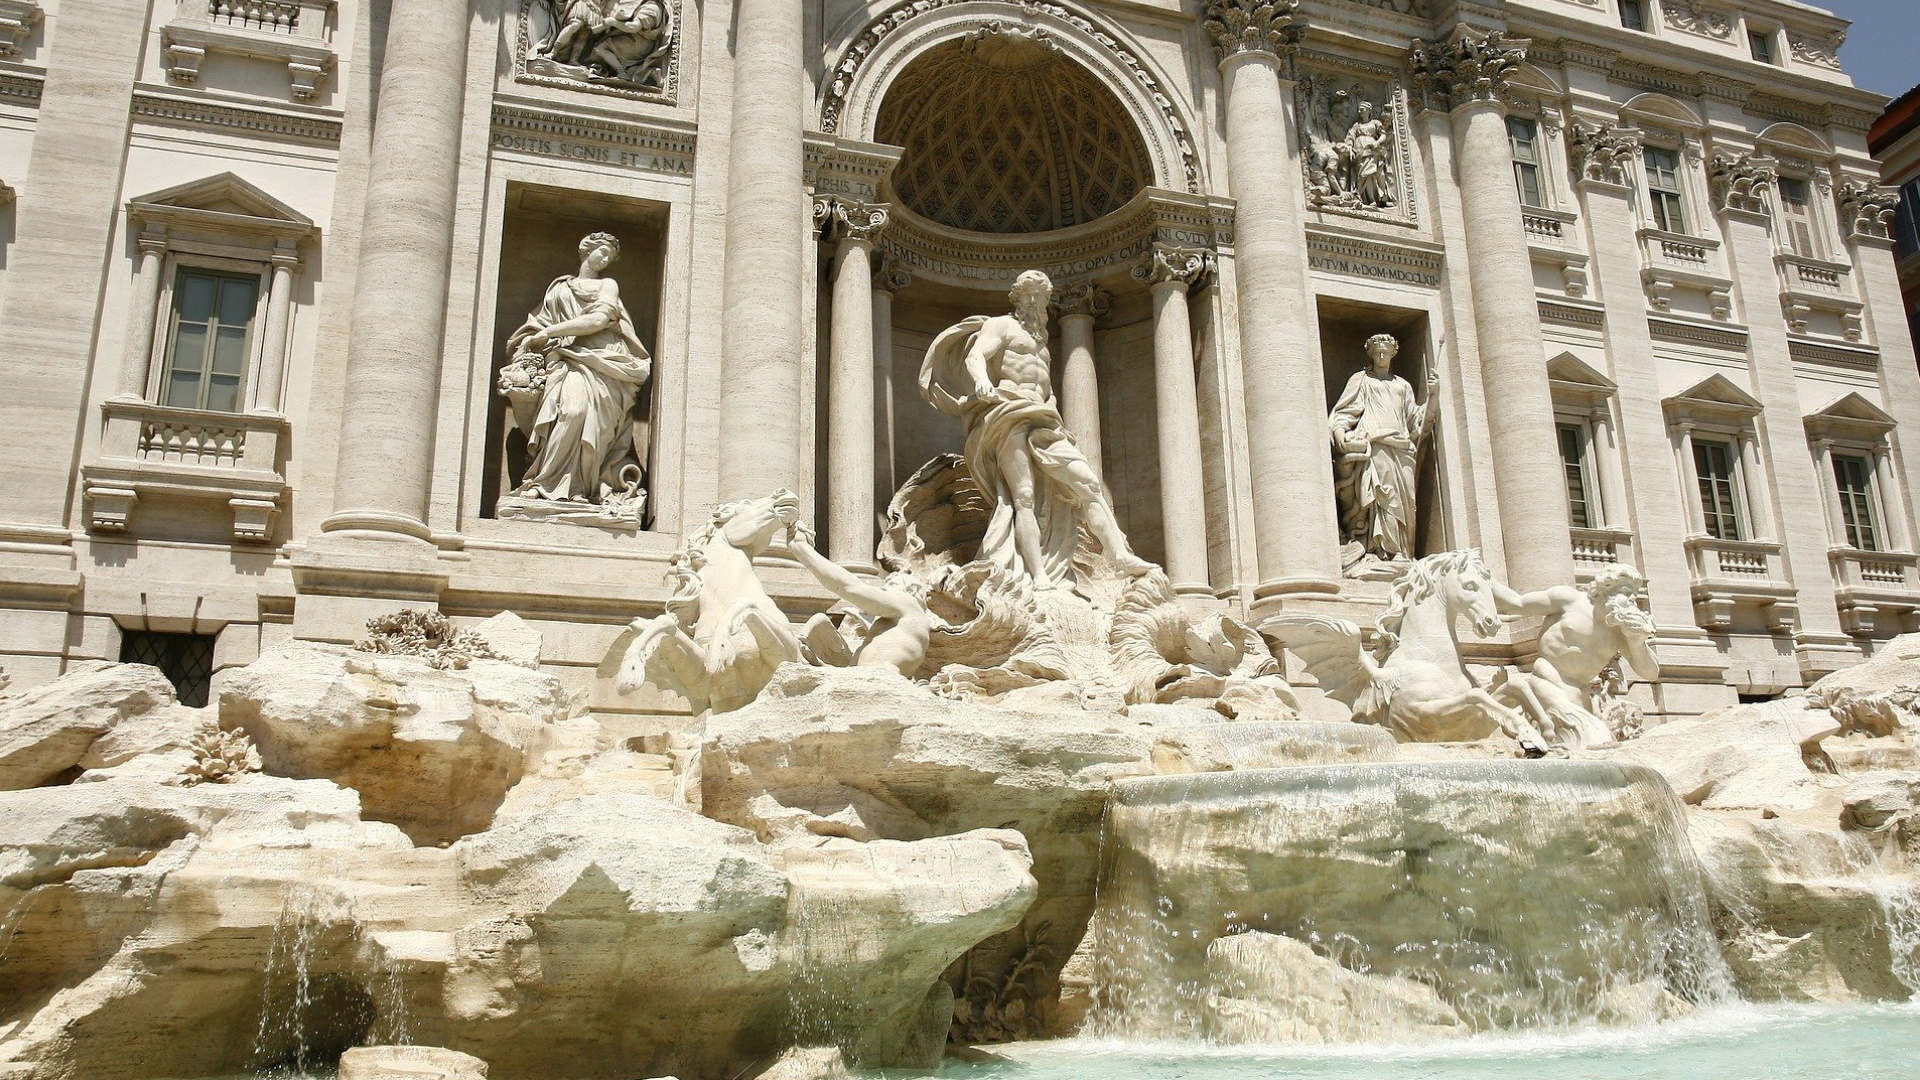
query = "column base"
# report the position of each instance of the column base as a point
(1287, 586)
(377, 525)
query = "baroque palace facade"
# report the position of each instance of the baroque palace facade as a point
(277, 279)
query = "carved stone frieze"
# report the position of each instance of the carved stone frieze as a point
(844, 219)
(1602, 152)
(1169, 262)
(1740, 182)
(1464, 68)
(1867, 209)
(1356, 156)
(625, 47)
(1697, 18)
(1816, 48)
(1238, 26)
(1085, 298)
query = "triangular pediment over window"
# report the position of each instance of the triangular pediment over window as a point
(1850, 413)
(224, 203)
(1713, 396)
(1571, 372)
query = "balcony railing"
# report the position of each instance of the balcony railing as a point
(1728, 574)
(274, 16)
(1872, 583)
(154, 452)
(1598, 547)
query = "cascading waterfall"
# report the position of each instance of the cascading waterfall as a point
(325, 986)
(1330, 903)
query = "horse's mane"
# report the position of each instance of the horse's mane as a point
(1419, 583)
(685, 564)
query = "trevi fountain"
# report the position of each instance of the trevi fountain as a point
(888, 595)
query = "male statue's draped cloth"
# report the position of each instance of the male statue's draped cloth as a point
(994, 426)
(581, 434)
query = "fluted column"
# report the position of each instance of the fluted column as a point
(888, 279)
(1466, 75)
(385, 474)
(1079, 307)
(1169, 272)
(760, 384)
(143, 319)
(1296, 535)
(851, 227)
(273, 352)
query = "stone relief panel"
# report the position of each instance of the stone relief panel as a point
(1696, 18)
(629, 48)
(1358, 150)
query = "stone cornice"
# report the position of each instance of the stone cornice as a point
(1853, 356)
(20, 87)
(195, 110)
(1693, 333)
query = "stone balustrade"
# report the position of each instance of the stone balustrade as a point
(1869, 584)
(157, 452)
(1733, 573)
(1594, 548)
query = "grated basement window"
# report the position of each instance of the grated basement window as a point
(185, 659)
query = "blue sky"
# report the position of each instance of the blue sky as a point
(1883, 49)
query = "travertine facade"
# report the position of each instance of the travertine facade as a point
(267, 372)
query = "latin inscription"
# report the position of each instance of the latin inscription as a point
(1380, 263)
(601, 155)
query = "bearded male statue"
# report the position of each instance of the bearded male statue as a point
(992, 373)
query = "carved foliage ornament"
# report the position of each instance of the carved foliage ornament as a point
(901, 14)
(1601, 152)
(1696, 18)
(1238, 26)
(1169, 262)
(1867, 209)
(629, 48)
(1466, 69)
(1740, 183)
(844, 219)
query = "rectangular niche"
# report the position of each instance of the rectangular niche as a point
(1345, 326)
(539, 243)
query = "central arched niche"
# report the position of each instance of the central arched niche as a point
(1003, 133)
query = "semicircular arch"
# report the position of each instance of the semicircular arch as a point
(886, 46)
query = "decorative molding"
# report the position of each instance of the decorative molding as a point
(863, 45)
(202, 112)
(22, 87)
(1740, 183)
(1692, 333)
(887, 275)
(1085, 298)
(1419, 9)
(17, 20)
(1374, 258)
(1812, 352)
(840, 218)
(1658, 79)
(1817, 48)
(1172, 262)
(1572, 314)
(1602, 152)
(654, 146)
(1241, 26)
(855, 170)
(1866, 209)
(1464, 69)
(1696, 18)
(659, 75)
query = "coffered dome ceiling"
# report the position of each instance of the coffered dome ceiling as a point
(1003, 134)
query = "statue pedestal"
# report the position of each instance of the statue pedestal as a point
(622, 517)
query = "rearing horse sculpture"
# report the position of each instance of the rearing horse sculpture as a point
(1420, 689)
(722, 635)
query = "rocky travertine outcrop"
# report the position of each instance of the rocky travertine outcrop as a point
(176, 928)
(432, 750)
(410, 1063)
(1266, 988)
(1744, 758)
(864, 753)
(47, 731)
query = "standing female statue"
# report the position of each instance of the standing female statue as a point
(576, 368)
(1377, 428)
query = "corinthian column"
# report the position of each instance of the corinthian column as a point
(851, 227)
(1079, 306)
(1296, 538)
(1169, 272)
(766, 243)
(1466, 75)
(385, 473)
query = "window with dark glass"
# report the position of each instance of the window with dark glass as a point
(1633, 14)
(1713, 465)
(1663, 188)
(1574, 464)
(207, 341)
(1760, 44)
(1853, 475)
(1796, 207)
(1523, 134)
(185, 659)
(1906, 225)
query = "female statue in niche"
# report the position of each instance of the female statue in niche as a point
(1377, 429)
(577, 366)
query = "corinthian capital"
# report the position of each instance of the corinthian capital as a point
(1238, 26)
(1739, 182)
(1601, 151)
(844, 219)
(1464, 69)
(1168, 262)
(1866, 209)
(1083, 299)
